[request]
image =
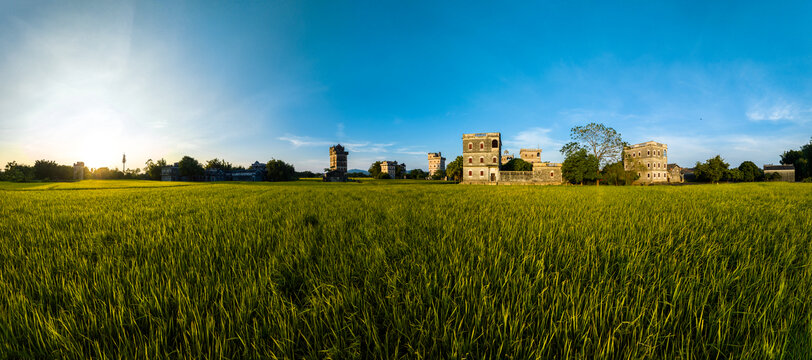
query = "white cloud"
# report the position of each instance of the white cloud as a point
(780, 111)
(734, 148)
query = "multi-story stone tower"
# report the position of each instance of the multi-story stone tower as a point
(390, 167)
(79, 171)
(532, 156)
(436, 163)
(481, 154)
(649, 160)
(338, 158)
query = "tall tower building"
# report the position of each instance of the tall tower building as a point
(338, 158)
(436, 163)
(481, 154)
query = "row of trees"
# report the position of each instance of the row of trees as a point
(47, 170)
(802, 160)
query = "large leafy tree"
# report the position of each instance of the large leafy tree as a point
(438, 174)
(418, 174)
(712, 170)
(454, 169)
(801, 159)
(279, 170)
(517, 165)
(153, 168)
(750, 172)
(218, 164)
(188, 166)
(580, 166)
(375, 169)
(599, 140)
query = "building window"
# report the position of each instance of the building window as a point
(470, 160)
(481, 173)
(495, 143)
(648, 175)
(481, 160)
(470, 146)
(481, 145)
(552, 174)
(648, 152)
(649, 165)
(494, 160)
(470, 173)
(638, 153)
(632, 154)
(665, 152)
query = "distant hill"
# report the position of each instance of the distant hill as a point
(358, 171)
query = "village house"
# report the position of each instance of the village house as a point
(787, 172)
(649, 160)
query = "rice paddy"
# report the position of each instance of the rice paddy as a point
(138, 269)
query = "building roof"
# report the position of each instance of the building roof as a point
(779, 167)
(672, 166)
(647, 143)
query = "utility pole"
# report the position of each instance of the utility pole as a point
(124, 163)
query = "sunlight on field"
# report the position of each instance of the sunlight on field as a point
(405, 269)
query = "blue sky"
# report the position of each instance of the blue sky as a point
(245, 81)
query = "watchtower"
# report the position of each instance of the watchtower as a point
(338, 158)
(481, 153)
(79, 171)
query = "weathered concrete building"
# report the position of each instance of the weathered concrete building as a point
(675, 174)
(482, 163)
(649, 160)
(532, 156)
(787, 172)
(79, 171)
(506, 157)
(436, 163)
(391, 168)
(480, 157)
(338, 158)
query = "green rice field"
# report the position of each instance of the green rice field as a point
(416, 270)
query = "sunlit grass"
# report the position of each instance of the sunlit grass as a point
(417, 269)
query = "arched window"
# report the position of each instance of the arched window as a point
(481, 145)
(648, 152)
(649, 165)
(470, 160)
(481, 173)
(481, 160)
(552, 174)
(495, 143)
(494, 160)
(638, 153)
(648, 175)
(470, 146)
(470, 173)
(632, 154)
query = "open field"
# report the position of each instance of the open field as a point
(405, 269)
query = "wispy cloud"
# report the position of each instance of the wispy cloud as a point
(298, 141)
(779, 111)
(532, 138)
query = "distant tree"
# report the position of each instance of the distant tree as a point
(616, 174)
(517, 165)
(189, 167)
(218, 164)
(307, 174)
(773, 176)
(801, 159)
(599, 140)
(418, 174)
(278, 170)
(750, 172)
(375, 169)
(733, 175)
(711, 170)
(438, 174)
(18, 172)
(382, 176)
(104, 173)
(579, 166)
(400, 171)
(153, 168)
(454, 169)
